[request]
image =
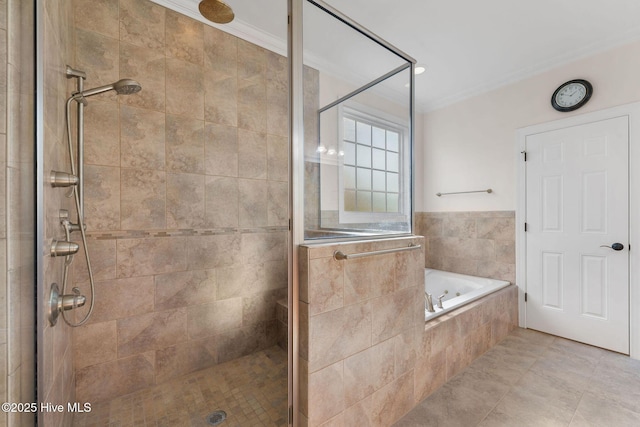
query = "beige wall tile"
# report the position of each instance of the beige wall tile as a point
(214, 251)
(110, 304)
(116, 378)
(252, 61)
(497, 270)
(460, 265)
(142, 257)
(142, 138)
(98, 56)
(394, 400)
(367, 278)
(496, 228)
(252, 105)
(326, 285)
(221, 150)
(147, 67)
(102, 134)
(184, 38)
(185, 145)
(459, 227)
(326, 387)
(392, 314)
(221, 202)
(244, 280)
(94, 343)
(260, 307)
(221, 98)
(151, 331)
(100, 16)
(252, 154)
(277, 158)
(368, 371)
(143, 200)
(261, 247)
(506, 251)
(277, 110)
(252, 210)
(338, 334)
(185, 200)
(359, 414)
(185, 89)
(184, 288)
(220, 51)
(406, 349)
(102, 197)
(239, 342)
(102, 254)
(214, 318)
(277, 204)
(430, 374)
(142, 23)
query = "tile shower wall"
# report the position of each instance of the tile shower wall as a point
(476, 243)
(186, 197)
(55, 375)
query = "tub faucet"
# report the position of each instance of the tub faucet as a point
(429, 303)
(440, 300)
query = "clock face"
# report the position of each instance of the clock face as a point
(571, 95)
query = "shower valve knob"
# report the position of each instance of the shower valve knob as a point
(63, 248)
(62, 179)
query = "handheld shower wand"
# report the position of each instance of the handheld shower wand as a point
(121, 87)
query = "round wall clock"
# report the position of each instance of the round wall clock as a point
(571, 95)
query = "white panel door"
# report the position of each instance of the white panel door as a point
(577, 184)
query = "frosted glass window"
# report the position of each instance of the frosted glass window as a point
(349, 130)
(392, 202)
(392, 141)
(364, 133)
(378, 137)
(371, 166)
(364, 179)
(392, 182)
(363, 156)
(349, 177)
(349, 153)
(349, 200)
(378, 161)
(392, 162)
(378, 181)
(379, 202)
(364, 201)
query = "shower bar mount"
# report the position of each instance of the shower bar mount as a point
(488, 190)
(339, 255)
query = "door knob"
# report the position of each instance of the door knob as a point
(615, 246)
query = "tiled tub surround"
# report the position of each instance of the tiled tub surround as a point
(186, 196)
(474, 243)
(367, 356)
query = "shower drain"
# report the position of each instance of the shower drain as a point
(216, 417)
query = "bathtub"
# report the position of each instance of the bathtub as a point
(458, 289)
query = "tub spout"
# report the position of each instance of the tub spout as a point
(428, 303)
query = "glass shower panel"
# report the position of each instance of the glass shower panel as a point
(357, 131)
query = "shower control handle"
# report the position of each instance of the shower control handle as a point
(63, 248)
(62, 179)
(615, 246)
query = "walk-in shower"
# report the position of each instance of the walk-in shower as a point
(59, 301)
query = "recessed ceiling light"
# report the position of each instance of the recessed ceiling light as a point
(419, 70)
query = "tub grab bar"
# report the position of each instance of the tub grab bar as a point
(488, 190)
(339, 255)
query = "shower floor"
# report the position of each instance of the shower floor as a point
(252, 390)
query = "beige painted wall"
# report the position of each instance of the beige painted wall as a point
(471, 145)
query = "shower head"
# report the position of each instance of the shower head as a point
(216, 11)
(122, 87)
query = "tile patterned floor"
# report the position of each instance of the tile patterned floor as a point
(535, 379)
(252, 390)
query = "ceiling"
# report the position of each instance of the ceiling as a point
(468, 47)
